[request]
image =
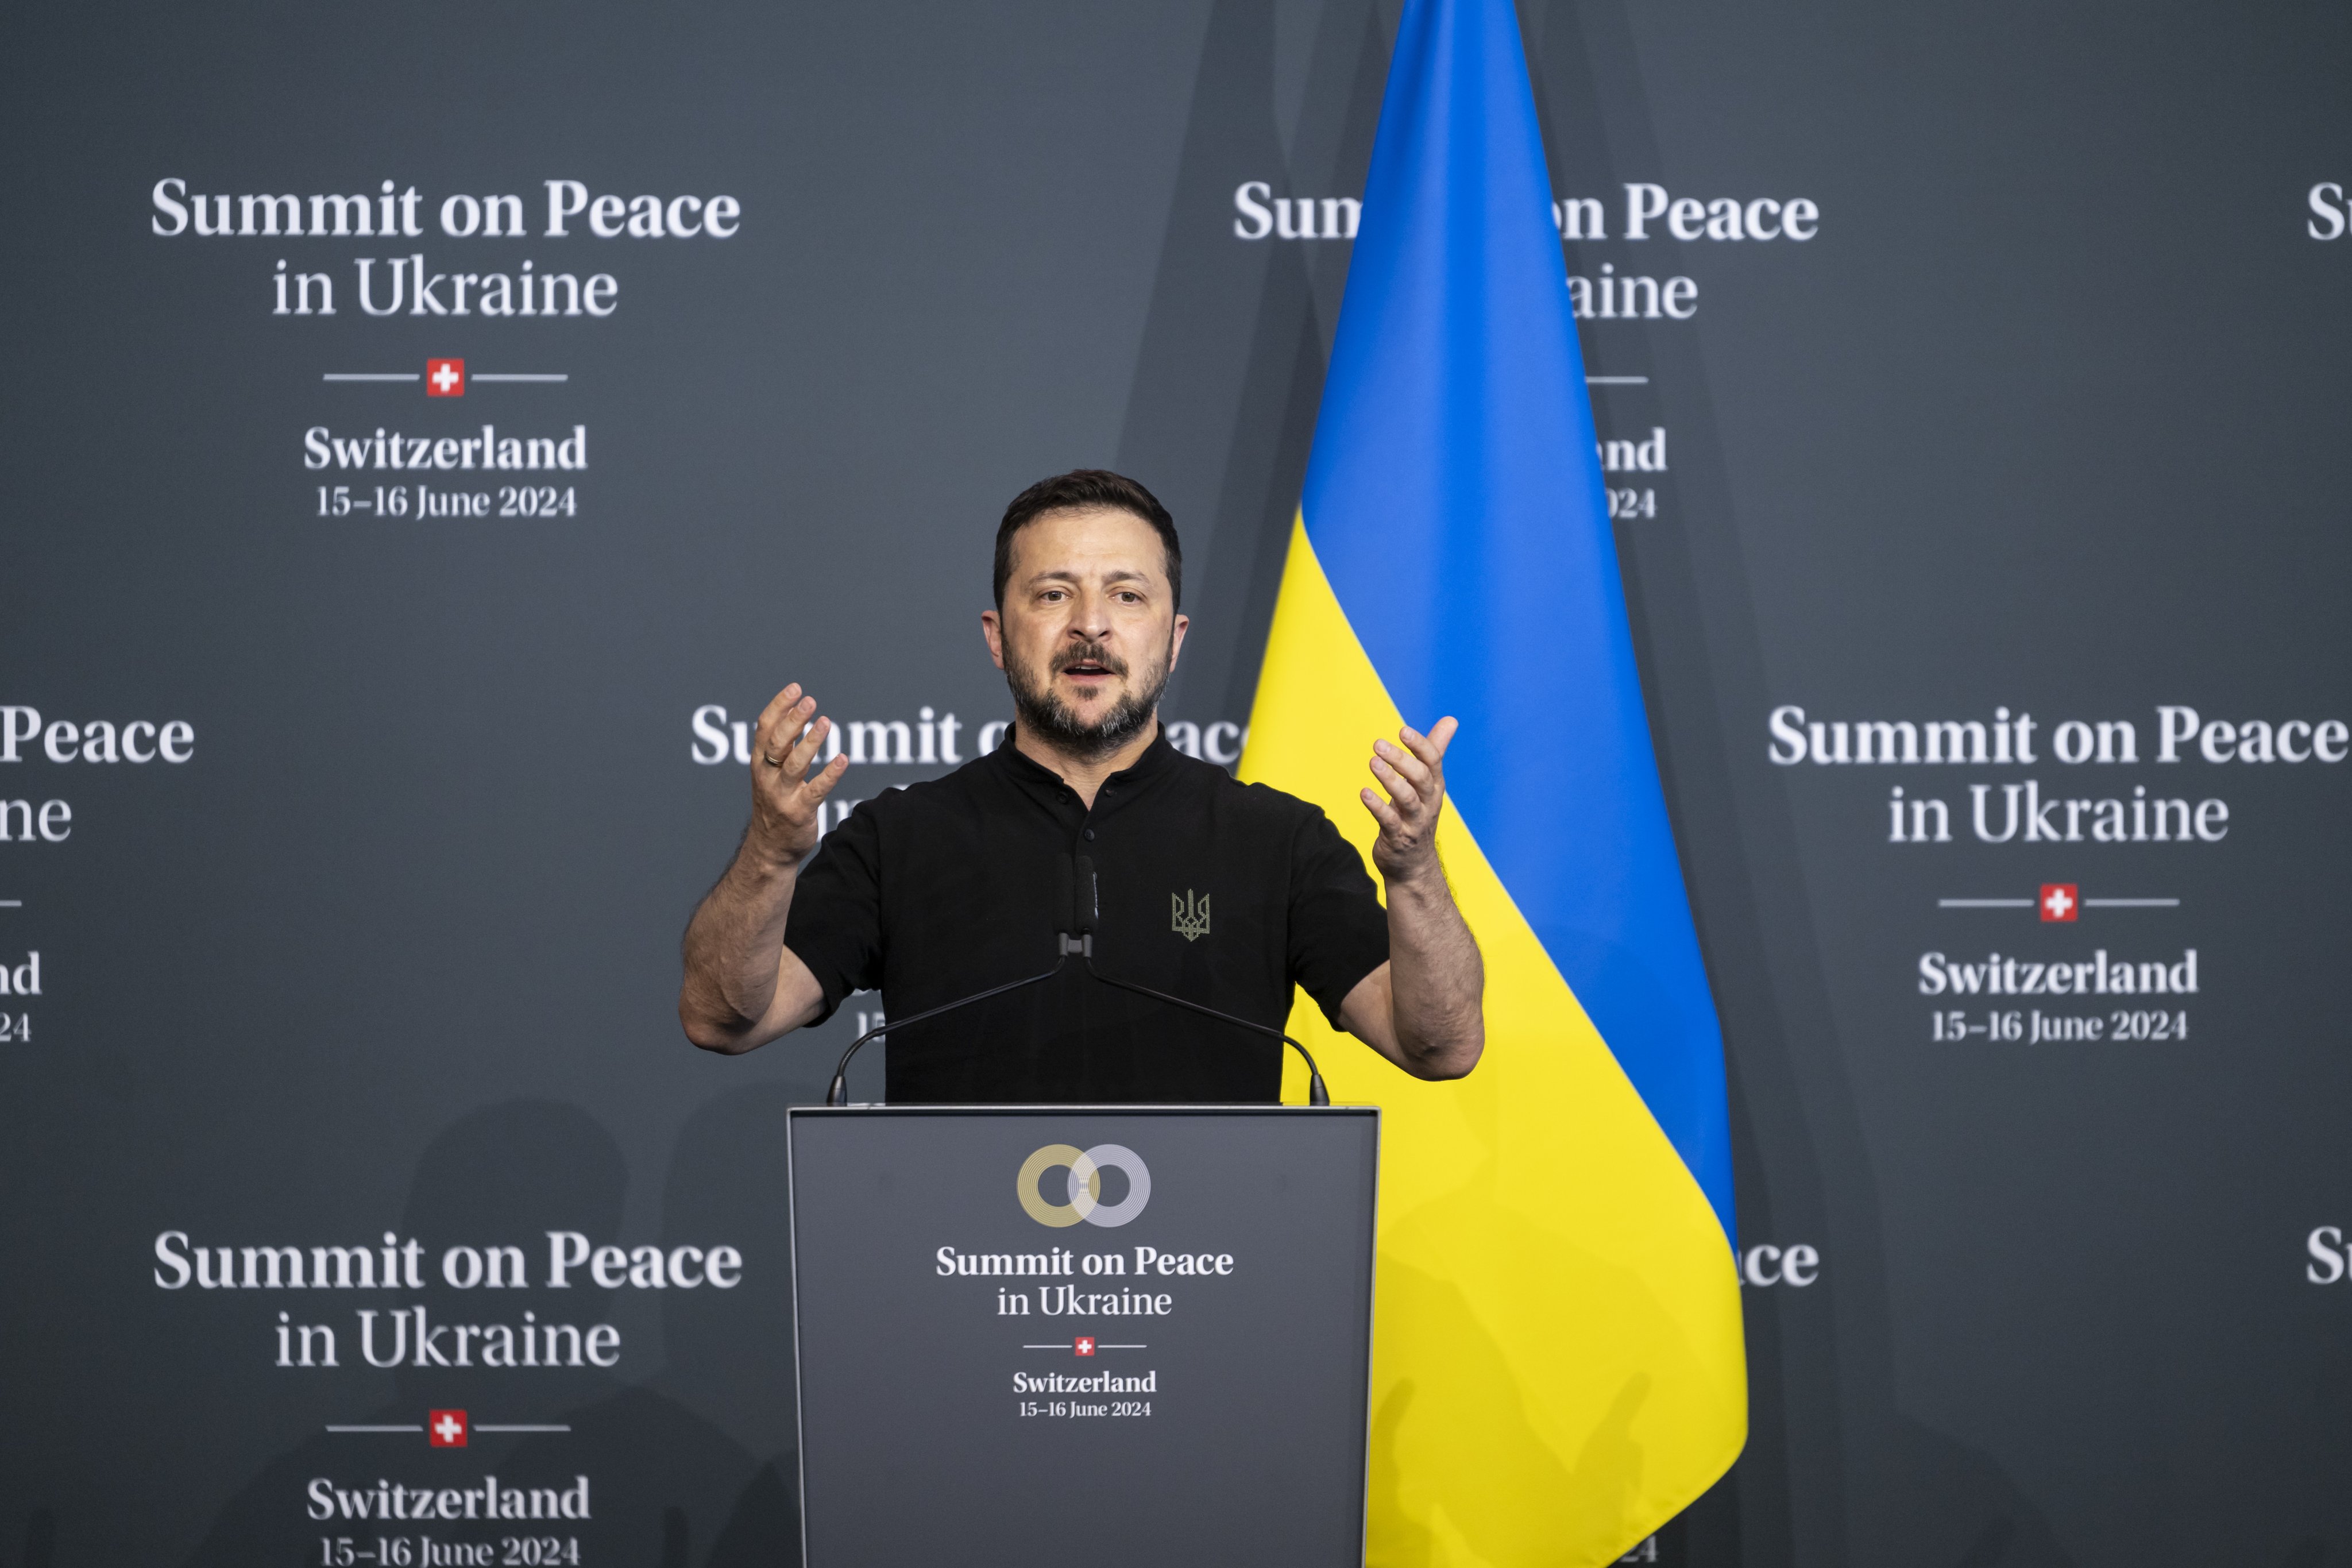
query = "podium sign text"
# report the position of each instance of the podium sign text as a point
(1141, 1333)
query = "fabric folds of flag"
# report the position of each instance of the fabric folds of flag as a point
(1559, 1364)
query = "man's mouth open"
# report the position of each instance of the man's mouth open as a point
(1089, 673)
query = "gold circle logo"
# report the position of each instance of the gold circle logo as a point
(1084, 1185)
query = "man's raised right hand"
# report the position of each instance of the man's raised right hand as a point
(787, 799)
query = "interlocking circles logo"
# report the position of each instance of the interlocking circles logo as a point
(1084, 1185)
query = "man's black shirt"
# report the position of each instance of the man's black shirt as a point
(1217, 891)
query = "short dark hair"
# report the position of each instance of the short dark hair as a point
(1088, 490)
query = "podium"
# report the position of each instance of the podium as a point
(1137, 1334)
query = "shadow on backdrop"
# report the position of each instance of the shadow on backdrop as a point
(698, 1490)
(1834, 1472)
(1231, 367)
(660, 1476)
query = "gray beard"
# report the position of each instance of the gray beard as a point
(1038, 711)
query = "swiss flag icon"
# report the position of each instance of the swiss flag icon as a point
(2060, 902)
(445, 1428)
(1086, 1344)
(445, 378)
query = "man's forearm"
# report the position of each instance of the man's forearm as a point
(1437, 978)
(732, 945)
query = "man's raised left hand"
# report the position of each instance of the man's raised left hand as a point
(1414, 776)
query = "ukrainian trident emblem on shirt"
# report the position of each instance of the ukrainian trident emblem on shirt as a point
(1189, 914)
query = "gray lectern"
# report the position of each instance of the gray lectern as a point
(1136, 1334)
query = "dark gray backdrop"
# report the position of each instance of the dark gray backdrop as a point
(2046, 416)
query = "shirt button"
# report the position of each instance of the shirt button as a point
(1090, 836)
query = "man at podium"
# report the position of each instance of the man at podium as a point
(1225, 894)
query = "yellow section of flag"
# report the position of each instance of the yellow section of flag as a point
(1557, 1360)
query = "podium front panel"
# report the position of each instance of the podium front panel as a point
(1138, 1333)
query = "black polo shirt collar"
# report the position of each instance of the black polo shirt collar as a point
(1042, 781)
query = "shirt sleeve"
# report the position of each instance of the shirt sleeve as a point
(1338, 931)
(835, 924)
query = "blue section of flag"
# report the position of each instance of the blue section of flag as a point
(1454, 499)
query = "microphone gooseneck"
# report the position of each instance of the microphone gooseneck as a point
(837, 1092)
(1315, 1093)
(1080, 916)
(1087, 901)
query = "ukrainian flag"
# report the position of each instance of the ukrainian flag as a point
(1557, 1365)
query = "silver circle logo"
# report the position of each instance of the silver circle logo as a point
(1086, 1167)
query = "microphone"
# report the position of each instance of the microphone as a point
(1087, 901)
(1068, 918)
(1080, 911)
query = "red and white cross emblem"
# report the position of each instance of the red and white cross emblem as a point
(1086, 1344)
(2060, 902)
(445, 378)
(445, 1428)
